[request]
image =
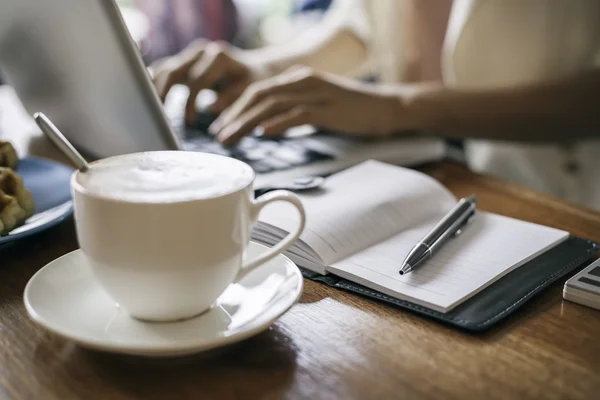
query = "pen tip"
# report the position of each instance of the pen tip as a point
(405, 269)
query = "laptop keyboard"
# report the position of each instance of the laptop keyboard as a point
(263, 155)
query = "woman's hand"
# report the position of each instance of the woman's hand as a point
(302, 96)
(205, 65)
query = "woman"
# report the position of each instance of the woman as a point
(518, 79)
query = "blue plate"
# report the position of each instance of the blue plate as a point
(50, 186)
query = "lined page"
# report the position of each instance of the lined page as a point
(489, 248)
(360, 207)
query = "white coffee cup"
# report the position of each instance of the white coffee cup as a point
(165, 232)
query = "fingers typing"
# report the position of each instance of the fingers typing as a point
(290, 108)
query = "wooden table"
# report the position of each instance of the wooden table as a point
(333, 344)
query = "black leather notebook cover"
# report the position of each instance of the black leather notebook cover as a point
(498, 300)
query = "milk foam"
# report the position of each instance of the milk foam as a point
(165, 176)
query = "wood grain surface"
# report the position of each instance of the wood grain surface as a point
(333, 344)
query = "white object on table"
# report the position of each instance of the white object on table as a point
(584, 288)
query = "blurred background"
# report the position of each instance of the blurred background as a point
(164, 27)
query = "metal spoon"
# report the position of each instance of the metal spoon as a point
(60, 141)
(296, 185)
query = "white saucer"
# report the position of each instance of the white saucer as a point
(65, 298)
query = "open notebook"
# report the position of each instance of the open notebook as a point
(367, 218)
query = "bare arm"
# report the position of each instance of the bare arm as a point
(556, 110)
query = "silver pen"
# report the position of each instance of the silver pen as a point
(450, 226)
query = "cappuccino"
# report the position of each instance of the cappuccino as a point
(165, 177)
(166, 232)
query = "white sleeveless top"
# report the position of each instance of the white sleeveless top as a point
(504, 42)
(490, 43)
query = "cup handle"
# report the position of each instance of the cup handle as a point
(257, 206)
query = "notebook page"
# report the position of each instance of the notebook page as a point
(360, 207)
(489, 248)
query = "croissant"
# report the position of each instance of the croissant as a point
(11, 213)
(11, 184)
(8, 155)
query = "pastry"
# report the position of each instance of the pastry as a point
(8, 155)
(11, 183)
(11, 213)
(16, 203)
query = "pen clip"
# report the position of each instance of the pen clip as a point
(468, 220)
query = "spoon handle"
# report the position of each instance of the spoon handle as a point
(60, 141)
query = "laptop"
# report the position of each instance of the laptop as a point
(76, 62)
